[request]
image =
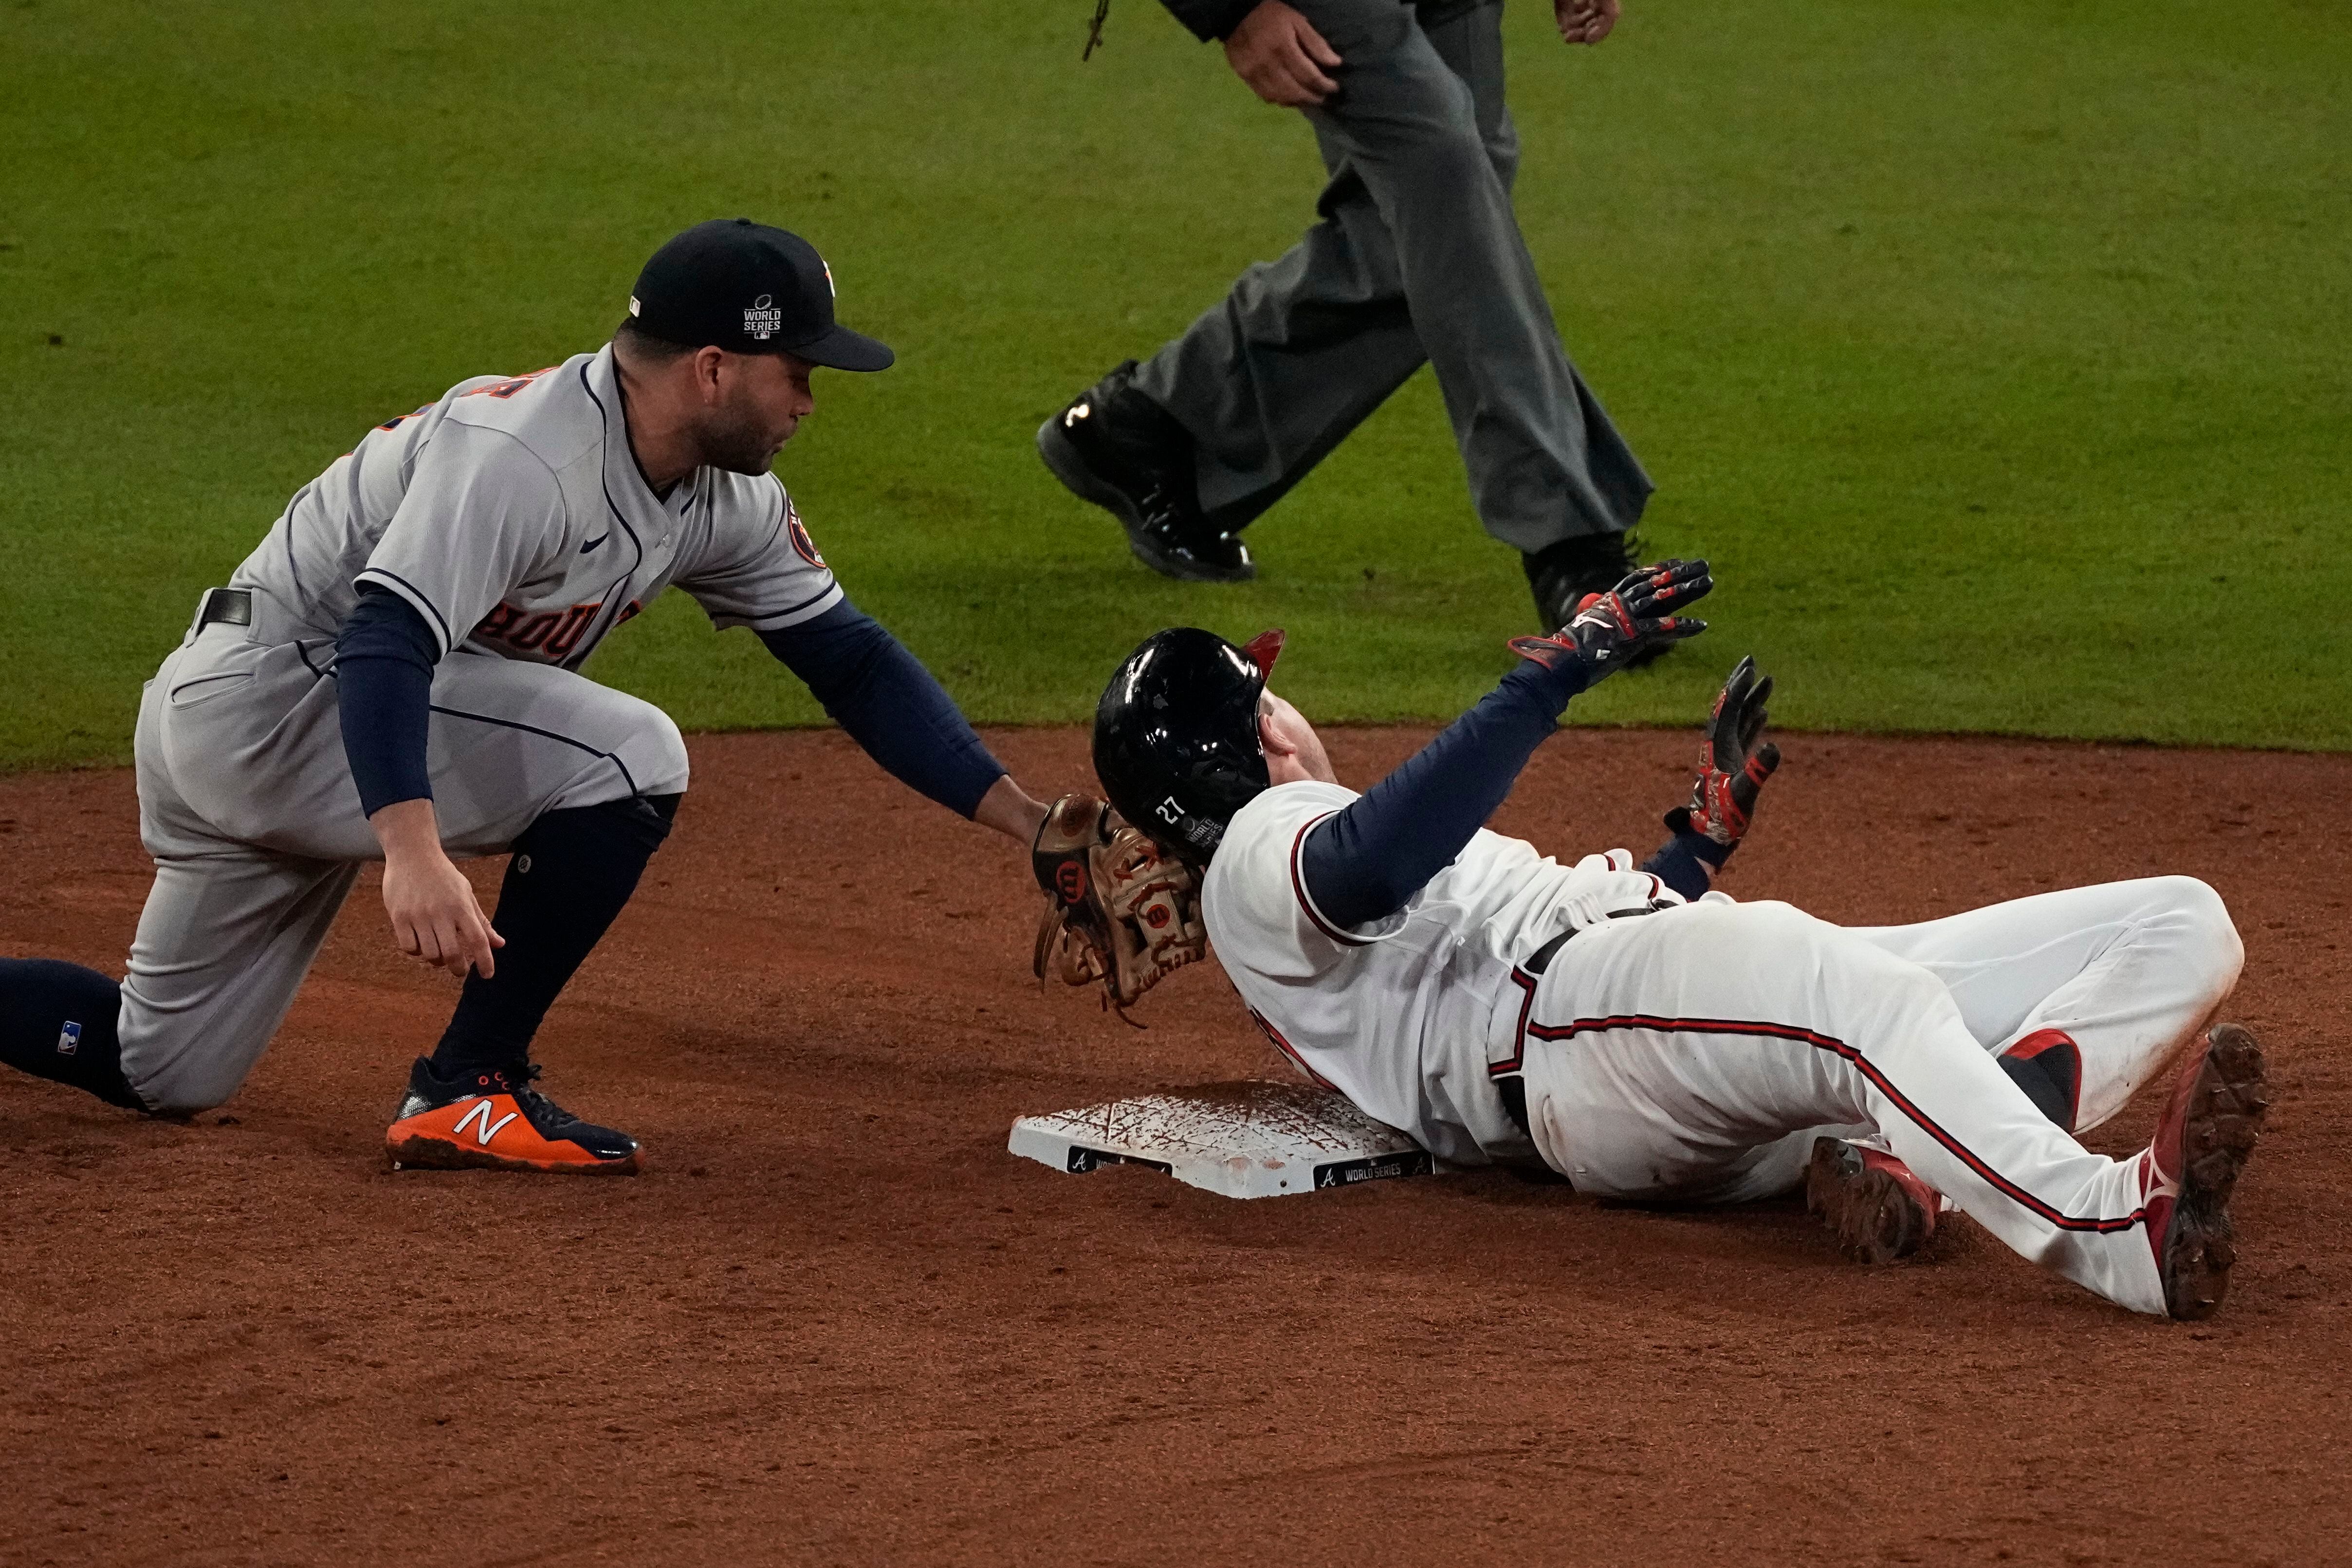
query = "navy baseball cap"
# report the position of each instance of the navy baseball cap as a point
(751, 289)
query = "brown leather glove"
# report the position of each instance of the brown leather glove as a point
(1118, 911)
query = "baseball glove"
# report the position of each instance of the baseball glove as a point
(1732, 766)
(1118, 911)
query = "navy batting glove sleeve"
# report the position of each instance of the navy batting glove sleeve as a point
(890, 705)
(384, 690)
(1364, 863)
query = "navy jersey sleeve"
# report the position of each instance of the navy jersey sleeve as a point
(383, 691)
(1363, 863)
(889, 703)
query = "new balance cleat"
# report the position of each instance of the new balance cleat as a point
(495, 1121)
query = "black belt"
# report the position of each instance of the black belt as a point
(229, 607)
(1514, 1089)
(1540, 959)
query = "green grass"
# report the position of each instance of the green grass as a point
(1995, 354)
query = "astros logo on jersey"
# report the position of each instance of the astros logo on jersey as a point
(799, 536)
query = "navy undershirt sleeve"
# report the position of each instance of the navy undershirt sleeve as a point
(1366, 862)
(1683, 862)
(890, 705)
(385, 657)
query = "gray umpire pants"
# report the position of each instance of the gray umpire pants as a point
(1417, 257)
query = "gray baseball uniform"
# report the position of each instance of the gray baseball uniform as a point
(512, 516)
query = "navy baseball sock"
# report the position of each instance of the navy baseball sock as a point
(572, 872)
(57, 1021)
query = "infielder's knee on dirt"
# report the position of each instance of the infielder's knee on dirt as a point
(223, 944)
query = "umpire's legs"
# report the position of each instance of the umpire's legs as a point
(1417, 256)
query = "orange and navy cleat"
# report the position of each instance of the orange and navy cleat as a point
(1879, 1209)
(2202, 1140)
(494, 1121)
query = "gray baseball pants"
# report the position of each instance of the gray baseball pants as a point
(248, 806)
(1417, 257)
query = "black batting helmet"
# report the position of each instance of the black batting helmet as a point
(1176, 736)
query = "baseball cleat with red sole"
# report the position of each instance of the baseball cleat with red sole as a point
(494, 1121)
(2208, 1128)
(1878, 1209)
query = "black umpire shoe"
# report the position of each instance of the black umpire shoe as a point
(1561, 574)
(1116, 447)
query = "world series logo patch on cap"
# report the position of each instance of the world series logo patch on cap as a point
(763, 320)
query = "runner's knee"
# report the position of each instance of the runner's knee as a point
(2208, 936)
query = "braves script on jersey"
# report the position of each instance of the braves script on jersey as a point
(510, 515)
(1398, 1015)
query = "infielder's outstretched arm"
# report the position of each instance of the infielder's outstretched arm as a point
(898, 712)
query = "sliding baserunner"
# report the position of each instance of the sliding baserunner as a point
(1648, 1038)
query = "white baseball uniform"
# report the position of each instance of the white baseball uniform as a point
(512, 517)
(1694, 1051)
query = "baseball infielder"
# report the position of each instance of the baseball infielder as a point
(1646, 1037)
(394, 673)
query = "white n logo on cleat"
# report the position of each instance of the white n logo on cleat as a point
(489, 1129)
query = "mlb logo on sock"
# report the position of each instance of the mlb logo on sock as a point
(69, 1039)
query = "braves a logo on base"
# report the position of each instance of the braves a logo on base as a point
(480, 1110)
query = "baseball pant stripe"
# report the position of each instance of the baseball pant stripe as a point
(1902, 1103)
(612, 757)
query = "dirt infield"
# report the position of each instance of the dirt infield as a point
(836, 1323)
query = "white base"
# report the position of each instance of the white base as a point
(1247, 1139)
